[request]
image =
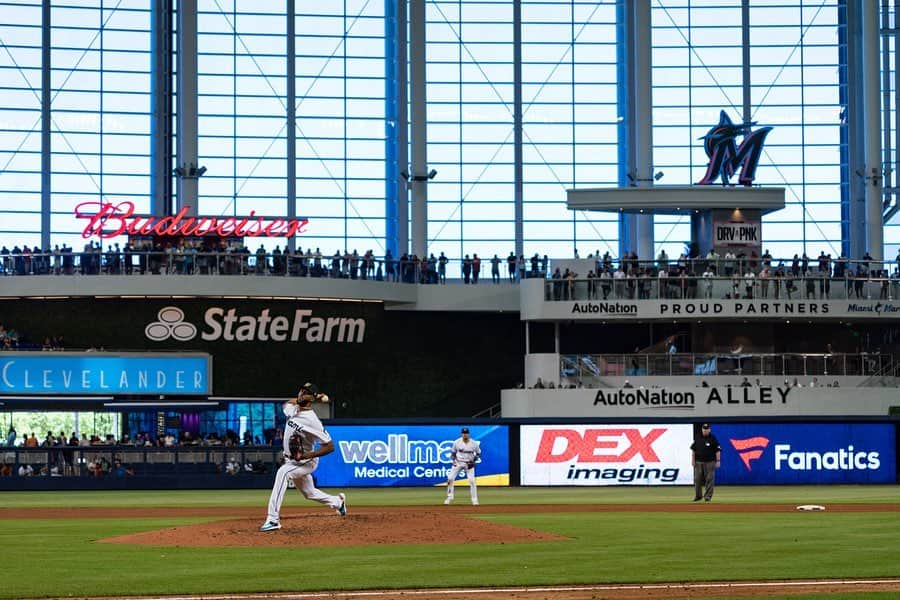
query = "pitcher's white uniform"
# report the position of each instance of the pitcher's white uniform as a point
(464, 451)
(308, 425)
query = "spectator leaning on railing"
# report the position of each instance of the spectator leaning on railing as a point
(812, 278)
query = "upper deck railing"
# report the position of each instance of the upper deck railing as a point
(588, 367)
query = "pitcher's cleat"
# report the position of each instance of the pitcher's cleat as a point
(342, 510)
(270, 526)
(448, 500)
(474, 502)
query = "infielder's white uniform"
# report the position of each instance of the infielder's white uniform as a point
(463, 452)
(308, 425)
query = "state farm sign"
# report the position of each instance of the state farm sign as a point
(606, 455)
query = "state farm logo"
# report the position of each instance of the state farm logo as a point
(750, 449)
(171, 324)
(604, 445)
(229, 325)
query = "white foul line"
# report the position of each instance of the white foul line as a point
(525, 590)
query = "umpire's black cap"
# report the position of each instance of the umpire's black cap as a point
(465, 430)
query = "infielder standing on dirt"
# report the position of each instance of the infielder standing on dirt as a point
(301, 432)
(464, 454)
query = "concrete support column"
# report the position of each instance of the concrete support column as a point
(419, 123)
(518, 172)
(398, 130)
(291, 116)
(855, 112)
(871, 76)
(186, 83)
(46, 96)
(636, 230)
(747, 114)
(161, 109)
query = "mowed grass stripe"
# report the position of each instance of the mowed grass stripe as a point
(62, 557)
(435, 495)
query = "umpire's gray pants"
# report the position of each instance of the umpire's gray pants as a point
(704, 479)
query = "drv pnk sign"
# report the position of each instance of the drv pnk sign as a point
(737, 233)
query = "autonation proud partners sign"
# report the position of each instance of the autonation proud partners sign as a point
(393, 455)
(594, 455)
(624, 309)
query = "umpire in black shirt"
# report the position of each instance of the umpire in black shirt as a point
(706, 455)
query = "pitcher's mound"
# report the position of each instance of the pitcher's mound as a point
(361, 529)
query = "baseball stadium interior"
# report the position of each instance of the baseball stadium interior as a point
(505, 214)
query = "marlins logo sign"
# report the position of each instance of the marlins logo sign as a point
(725, 158)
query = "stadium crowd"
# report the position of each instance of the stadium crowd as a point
(690, 275)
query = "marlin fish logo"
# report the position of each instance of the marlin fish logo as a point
(750, 449)
(725, 158)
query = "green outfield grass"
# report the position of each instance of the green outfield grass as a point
(487, 495)
(61, 557)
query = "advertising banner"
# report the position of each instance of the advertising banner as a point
(736, 233)
(606, 454)
(394, 455)
(102, 373)
(668, 403)
(794, 453)
(537, 305)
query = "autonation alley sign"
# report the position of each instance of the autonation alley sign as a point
(711, 309)
(681, 401)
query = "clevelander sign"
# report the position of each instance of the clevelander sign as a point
(606, 455)
(399, 455)
(101, 373)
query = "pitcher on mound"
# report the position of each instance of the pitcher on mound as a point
(301, 432)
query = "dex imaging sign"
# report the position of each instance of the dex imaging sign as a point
(606, 454)
(807, 453)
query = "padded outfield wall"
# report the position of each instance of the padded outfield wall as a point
(559, 453)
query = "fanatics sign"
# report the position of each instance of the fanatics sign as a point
(807, 453)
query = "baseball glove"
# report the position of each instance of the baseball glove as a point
(470, 464)
(295, 446)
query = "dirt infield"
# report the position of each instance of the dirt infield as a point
(325, 528)
(657, 591)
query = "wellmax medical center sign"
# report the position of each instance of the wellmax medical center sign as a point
(100, 373)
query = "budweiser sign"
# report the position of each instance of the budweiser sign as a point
(107, 220)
